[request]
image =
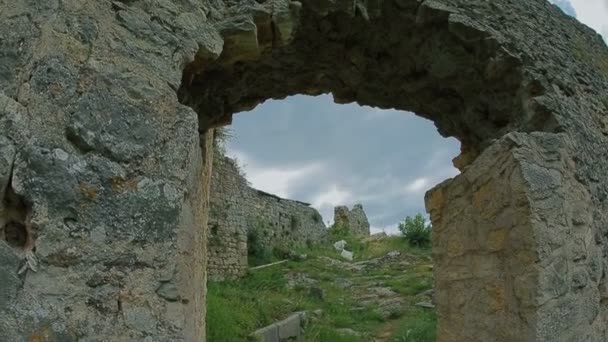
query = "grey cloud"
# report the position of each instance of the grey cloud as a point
(370, 154)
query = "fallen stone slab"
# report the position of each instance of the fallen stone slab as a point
(288, 328)
(267, 334)
(268, 265)
(347, 255)
(348, 332)
(427, 305)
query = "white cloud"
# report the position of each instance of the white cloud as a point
(593, 13)
(276, 181)
(417, 186)
(332, 197)
(325, 201)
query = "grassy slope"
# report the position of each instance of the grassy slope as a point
(237, 308)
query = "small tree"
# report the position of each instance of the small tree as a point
(416, 231)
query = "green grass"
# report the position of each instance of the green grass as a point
(367, 248)
(418, 325)
(411, 281)
(237, 308)
(324, 333)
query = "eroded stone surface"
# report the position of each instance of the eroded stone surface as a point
(513, 242)
(110, 163)
(119, 207)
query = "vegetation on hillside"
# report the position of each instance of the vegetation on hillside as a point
(334, 293)
(416, 231)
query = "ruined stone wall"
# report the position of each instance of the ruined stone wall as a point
(283, 223)
(227, 244)
(238, 211)
(354, 219)
(106, 168)
(105, 114)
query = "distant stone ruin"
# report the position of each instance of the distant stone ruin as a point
(239, 214)
(354, 220)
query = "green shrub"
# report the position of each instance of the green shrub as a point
(256, 253)
(221, 137)
(339, 232)
(280, 253)
(294, 222)
(419, 325)
(214, 238)
(416, 231)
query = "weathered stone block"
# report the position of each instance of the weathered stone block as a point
(290, 327)
(355, 220)
(10, 283)
(268, 334)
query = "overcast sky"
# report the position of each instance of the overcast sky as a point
(310, 149)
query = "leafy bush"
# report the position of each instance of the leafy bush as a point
(221, 137)
(294, 222)
(257, 254)
(416, 231)
(339, 232)
(280, 253)
(419, 325)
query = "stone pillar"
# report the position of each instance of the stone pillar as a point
(514, 252)
(354, 219)
(104, 165)
(227, 243)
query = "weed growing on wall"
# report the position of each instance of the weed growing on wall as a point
(294, 222)
(257, 253)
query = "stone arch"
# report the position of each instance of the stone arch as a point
(116, 176)
(504, 264)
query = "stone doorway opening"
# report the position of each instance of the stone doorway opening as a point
(309, 149)
(326, 154)
(492, 278)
